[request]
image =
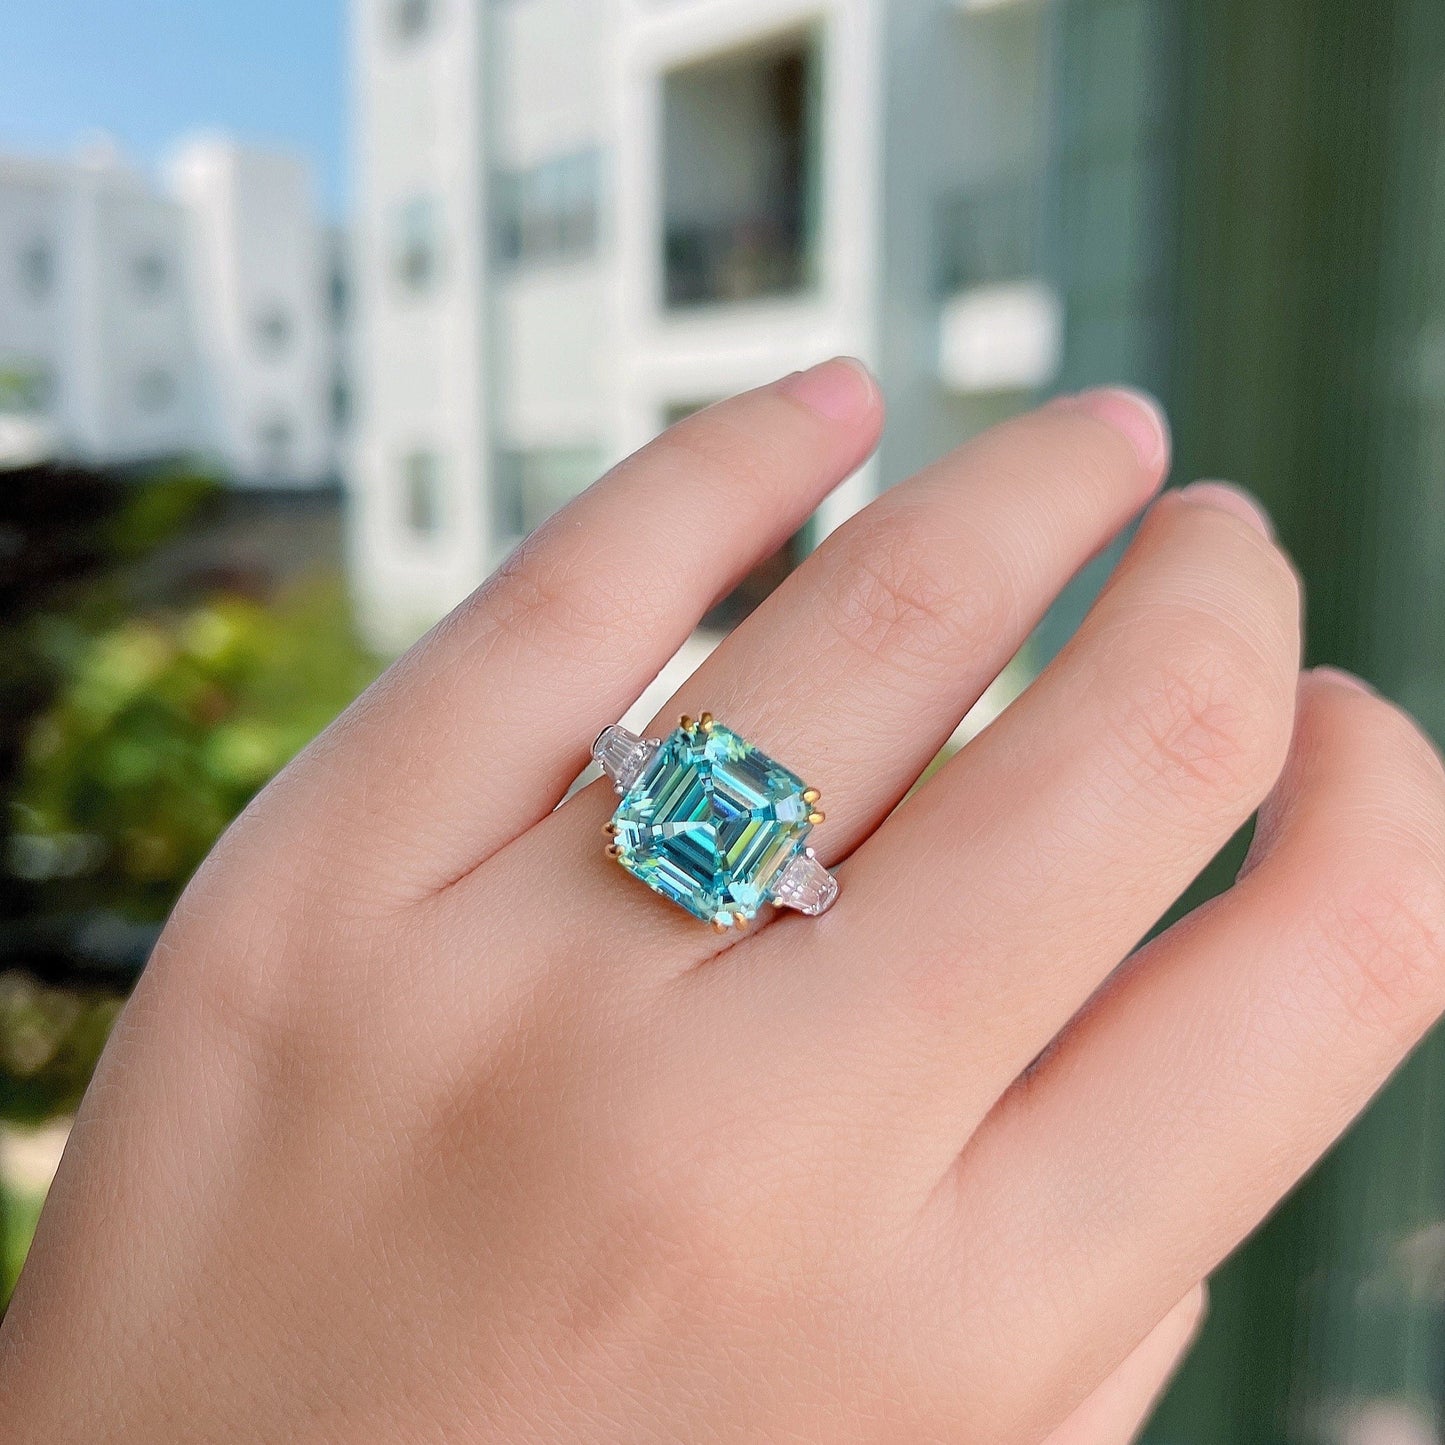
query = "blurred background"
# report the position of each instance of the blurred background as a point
(309, 313)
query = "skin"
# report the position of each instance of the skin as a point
(426, 1124)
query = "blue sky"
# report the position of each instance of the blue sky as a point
(149, 70)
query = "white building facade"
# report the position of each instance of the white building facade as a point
(259, 269)
(580, 219)
(139, 324)
(97, 348)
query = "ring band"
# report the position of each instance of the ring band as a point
(712, 823)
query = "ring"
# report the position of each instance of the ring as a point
(712, 823)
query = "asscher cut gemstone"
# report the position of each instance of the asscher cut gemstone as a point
(712, 823)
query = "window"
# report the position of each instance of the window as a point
(273, 330)
(550, 211)
(417, 243)
(531, 485)
(410, 18)
(274, 439)
(37, 269)
(155, 390)
(742, 173)
(149, 273)
(421, 494)
(992, 233)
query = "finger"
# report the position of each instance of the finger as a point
(1234, 1048)
(480, 728)
(1119, 1408)
(859, 667)
(909, 611)
(981, 915)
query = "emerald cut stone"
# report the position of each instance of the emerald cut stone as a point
(711, 823)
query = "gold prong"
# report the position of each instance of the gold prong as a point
(705, 722)
(612, 850)
(778, 903)
(740, 920)
(718, 926)
(610, 828)
(816, 817)
(811, 795)
(687, 724)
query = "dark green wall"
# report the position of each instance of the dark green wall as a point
(1250, 202)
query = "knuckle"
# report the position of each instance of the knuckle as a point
(562, 590)
(1211, 715)
(897, 592)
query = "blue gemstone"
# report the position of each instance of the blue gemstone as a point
(711, 823)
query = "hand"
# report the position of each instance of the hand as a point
(428, 1123)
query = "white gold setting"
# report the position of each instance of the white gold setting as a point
(805, 885)
(623, 755)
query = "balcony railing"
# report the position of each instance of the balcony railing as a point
(740, 260)
(991, 234)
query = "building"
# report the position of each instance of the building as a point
(139, 324)
(339, 362)
(262, 290)
(97, 344)
(580, 219)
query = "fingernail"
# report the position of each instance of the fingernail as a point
(1340, 678)
(841, 389)
(1228, 498)
(1134, 414)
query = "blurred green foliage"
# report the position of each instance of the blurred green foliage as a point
(19, 1214)
(164, 726)
(50, 1039)
(142, 705)
(152, 512)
